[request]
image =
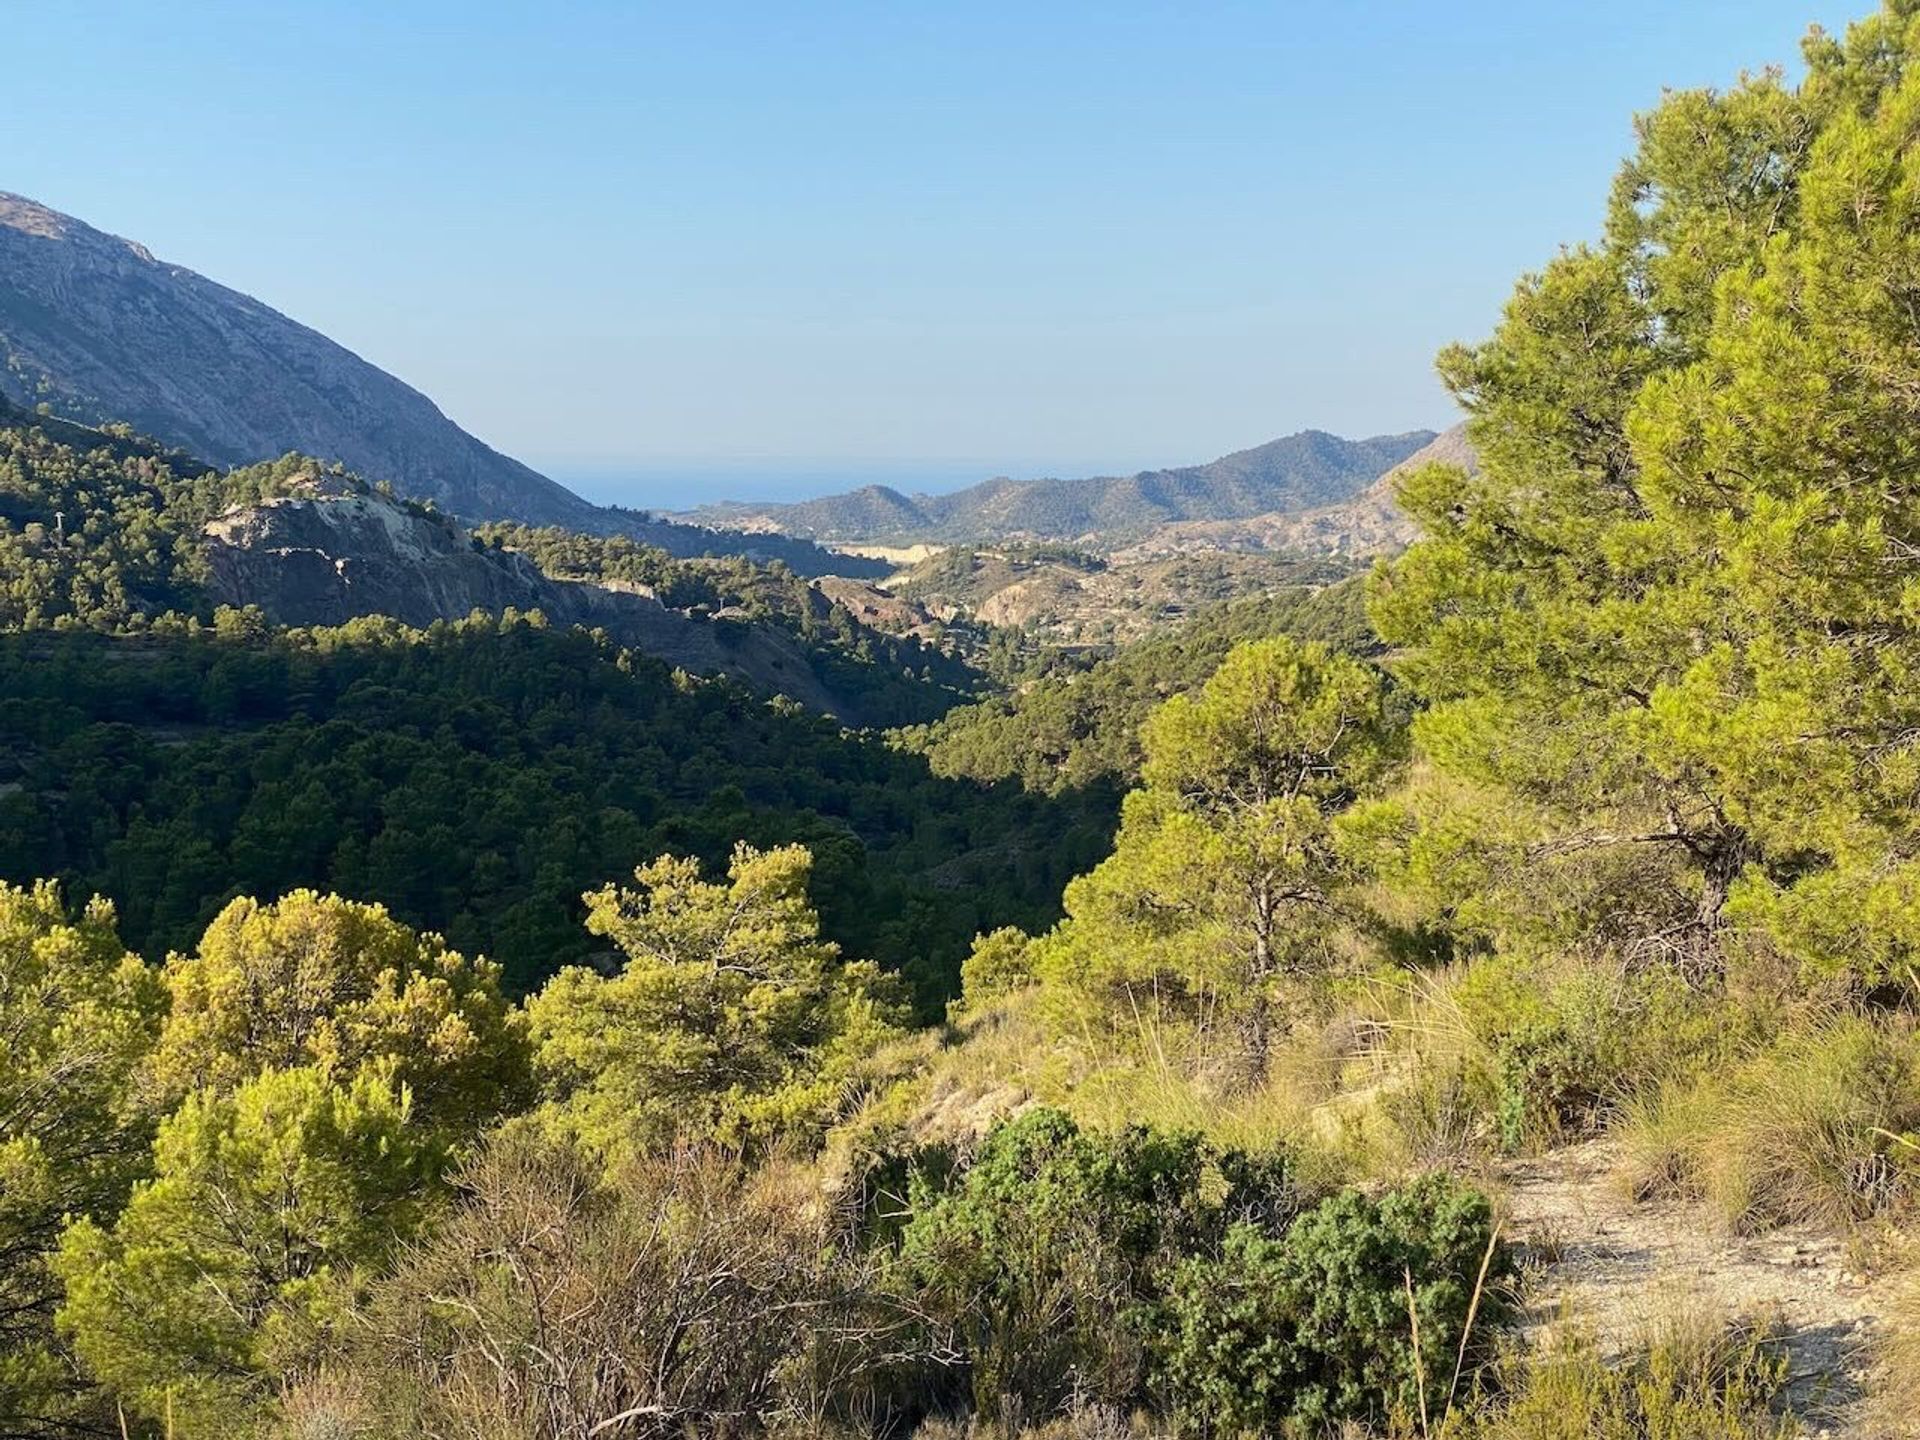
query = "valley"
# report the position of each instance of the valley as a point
(1402, 938)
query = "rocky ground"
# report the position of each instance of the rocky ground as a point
(1614, 1266)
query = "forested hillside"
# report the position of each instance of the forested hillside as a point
(887, 678)
(1581, 866)
(476, 775)
(1078, 724)
(110, 531)
(476, 778)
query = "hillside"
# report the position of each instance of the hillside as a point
(321, 557)
(1077, 726)
(110, 532)
(704, 542)
(478, 777)
(1298, 472)
(1370, 523)
(99, 331)
(1478, 999)
(103, 331)
(1058, 596)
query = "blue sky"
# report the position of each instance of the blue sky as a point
(660, 250)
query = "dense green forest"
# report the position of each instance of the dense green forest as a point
(101, 528)
(1598, 838)
(477, 777)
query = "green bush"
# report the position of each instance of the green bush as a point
(1042, 1257)
(1000, 963)
(1361, 1311)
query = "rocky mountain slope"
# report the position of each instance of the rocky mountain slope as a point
(1299, 472)
(1369, 523)
(1069, 598)
(101, 332)
(334, 554)
(97, 327)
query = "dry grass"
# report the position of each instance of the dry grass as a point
(1806, 1131)
(1896, 1399)
(1083, 1422)
(1662, 1136)
(1688, 1377)
(1008, 1055)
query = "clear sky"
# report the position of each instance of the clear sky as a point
(759, 247)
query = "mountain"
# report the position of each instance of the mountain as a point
(102, 331)
(105, 531)
(1298, 472)
(330, 554)
(1369, 523)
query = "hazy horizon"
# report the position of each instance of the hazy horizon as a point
(628, 245)
(684, 483)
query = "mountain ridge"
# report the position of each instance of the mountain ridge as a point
(103, 334)
(1295, 472)
(97, 327)
(1368, 523)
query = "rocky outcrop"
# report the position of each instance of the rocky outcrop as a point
(327, 556)
(101, 330)
(871, 605)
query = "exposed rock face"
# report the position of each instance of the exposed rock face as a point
(325, 558)
(871, 605)
(103, 331)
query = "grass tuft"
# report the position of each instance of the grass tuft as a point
(1814, 1129)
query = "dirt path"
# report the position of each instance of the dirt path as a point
(1614, 1266)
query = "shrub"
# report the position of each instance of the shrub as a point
(686, 1294)
(1000, 963)
(1040, 1257)
(1364, 1310)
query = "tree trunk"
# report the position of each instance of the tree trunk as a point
(1723, 853)
(1256, 1029)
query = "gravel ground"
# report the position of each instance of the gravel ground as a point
(1613, 1266)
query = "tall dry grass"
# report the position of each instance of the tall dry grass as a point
(1814, 1128)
